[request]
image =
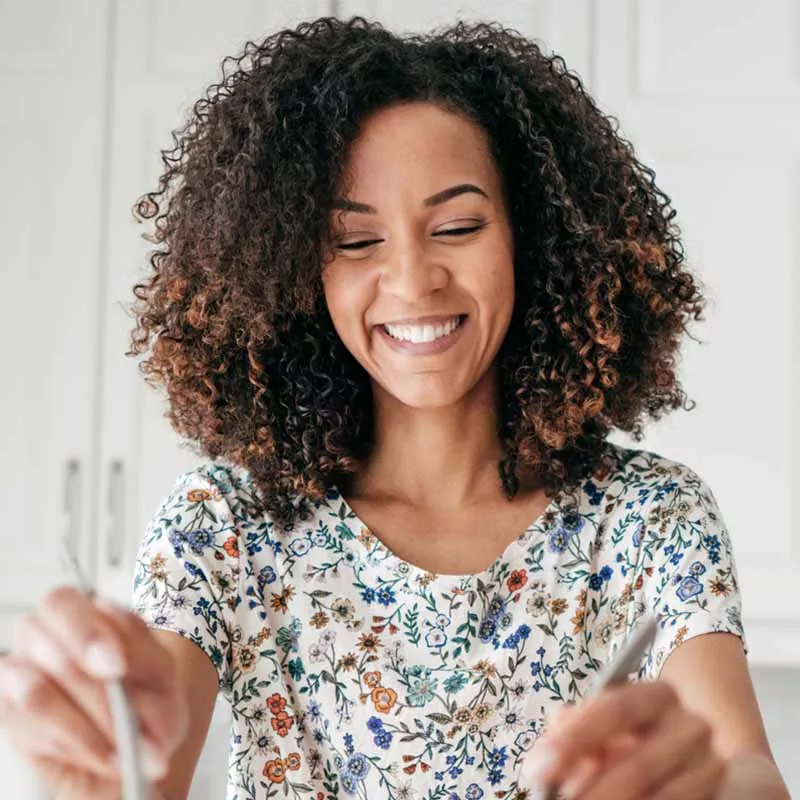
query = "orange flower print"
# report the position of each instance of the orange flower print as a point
(198, 495)
(373, 679)
(369, 642)
(276, 703)
(719, 587)
(280, 602)
(577, 620)
(383, 699)
(275, 770)
(558, 605)
(231, 547)
(281, 723)
(319, 620)
(292, 761)
(516, 580)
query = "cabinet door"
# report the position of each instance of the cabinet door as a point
(165, 55)
(53, 73)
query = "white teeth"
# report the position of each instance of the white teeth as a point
(422, 333)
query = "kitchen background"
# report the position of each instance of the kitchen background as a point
(708, 91)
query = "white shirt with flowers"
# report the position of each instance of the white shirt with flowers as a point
(351, 672)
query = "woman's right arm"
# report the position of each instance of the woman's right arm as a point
(53, 703)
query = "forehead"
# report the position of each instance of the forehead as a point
(418, 145)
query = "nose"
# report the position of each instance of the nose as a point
(411, 273)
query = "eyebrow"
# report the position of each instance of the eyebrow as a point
(435, 199)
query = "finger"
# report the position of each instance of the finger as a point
(163, 714)
(43, 720)
(35, 644)
(586, 770)
(69, 782)
(700, 781)
(159, 721)
(619, 709)
(679, 741)
(71, 619)
(150, 663)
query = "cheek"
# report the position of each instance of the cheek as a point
(347, 297)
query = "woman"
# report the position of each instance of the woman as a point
(406, 289)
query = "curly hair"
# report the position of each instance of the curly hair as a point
(232, 318)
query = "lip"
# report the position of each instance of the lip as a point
(424, 348)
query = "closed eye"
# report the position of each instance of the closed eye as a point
(364, 243)
(459, 231)
(358, 245)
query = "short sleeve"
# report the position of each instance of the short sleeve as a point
(186, 573)
(687, 575)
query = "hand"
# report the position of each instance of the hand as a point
(630, 742)
(53, 701)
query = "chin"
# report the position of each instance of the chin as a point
(427, 397)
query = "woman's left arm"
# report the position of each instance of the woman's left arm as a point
(712, 679)
(694, 733)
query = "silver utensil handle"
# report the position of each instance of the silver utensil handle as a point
(72, 503)
(116, 513)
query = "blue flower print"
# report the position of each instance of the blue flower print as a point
(177, 540)
(358, 766)
(266, 576)
(442, 620)
(299, 547)
(697, 569)
(498, 756)
(383, 739)
(474, 792)
(572, 522)
(637, 534)
(436, 638)
(368, 594)
(595, 582)
(496, 607)
(348, 743)
(486, 629)
(511, 641)
(374, 724)
(689, 587)
(606, 573)
(386, 596)
(199, 539)
(349, 782)
(558, 541)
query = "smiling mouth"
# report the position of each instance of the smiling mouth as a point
(424, 332)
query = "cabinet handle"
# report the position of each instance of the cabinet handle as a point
(72, 503)
(116, 513)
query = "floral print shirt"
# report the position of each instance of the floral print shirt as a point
(351, 672)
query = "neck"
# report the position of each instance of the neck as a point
(434, 457)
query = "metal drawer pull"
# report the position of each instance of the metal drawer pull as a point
(116, 512)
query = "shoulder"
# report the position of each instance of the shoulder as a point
(634, 478)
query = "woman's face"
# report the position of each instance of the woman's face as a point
(421, 283)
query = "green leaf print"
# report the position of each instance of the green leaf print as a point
(410, 623)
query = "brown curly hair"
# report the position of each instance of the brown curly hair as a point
(232, 316)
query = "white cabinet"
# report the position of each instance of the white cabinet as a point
(52, 145)
(709, 94)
